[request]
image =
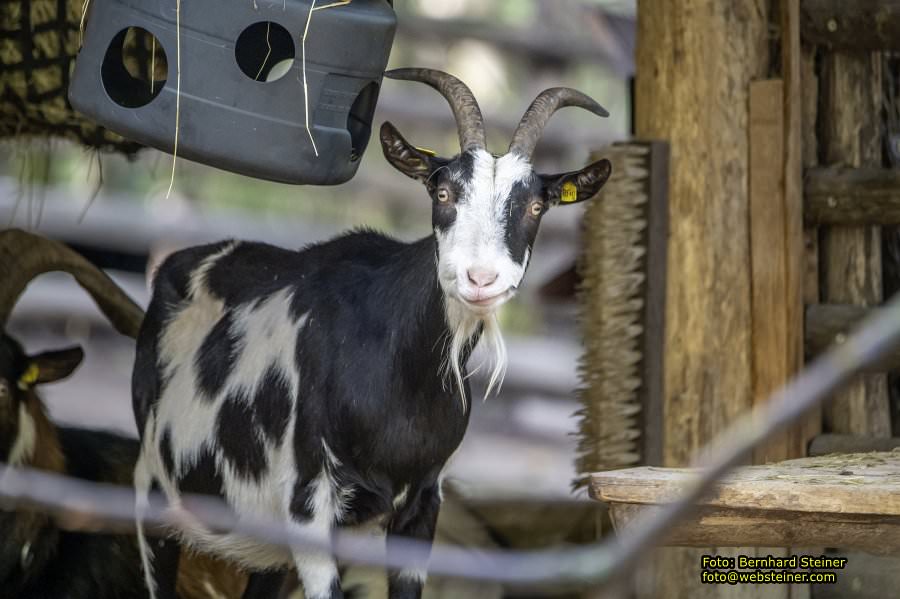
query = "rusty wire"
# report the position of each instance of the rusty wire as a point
(87, 506)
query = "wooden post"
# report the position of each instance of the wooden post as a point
(809, 83)
(770, 352)
(698, 100)
(849, 124)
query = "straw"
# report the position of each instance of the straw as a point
(177, 94)
(312, 8)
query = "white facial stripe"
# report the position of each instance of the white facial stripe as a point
(477, 237)
(26, 441)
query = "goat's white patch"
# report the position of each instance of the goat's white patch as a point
(268, 335)
(400, 498)
(26, 440)
(477, 240)
(197, 284)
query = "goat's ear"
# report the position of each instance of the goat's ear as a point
(578, 186)
(52, 365)
(403, 156)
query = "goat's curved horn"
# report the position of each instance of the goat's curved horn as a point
(24, 256)
(469, 121)
(531, 127)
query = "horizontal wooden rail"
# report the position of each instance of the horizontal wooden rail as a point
(852, 24)
(860, 196)
(827, 324)
(832, 443)
(850, 501)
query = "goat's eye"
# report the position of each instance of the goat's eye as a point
(443, 195)
(536, 209)
(4, 389)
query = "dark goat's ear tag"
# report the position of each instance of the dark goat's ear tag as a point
(568, 193)
(29, 377)
(51, 366)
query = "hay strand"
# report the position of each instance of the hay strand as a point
(312, 140)
(312, 9)
(84, 11)
(177, 94)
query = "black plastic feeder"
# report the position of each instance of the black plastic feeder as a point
(242, 94)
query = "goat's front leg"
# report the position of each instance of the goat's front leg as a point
(312, 511)
(416, 519)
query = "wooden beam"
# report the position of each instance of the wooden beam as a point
(768, 254)
(797, 437)
(852, 196)
(656, 242)
(861, 483)
(850, 500)
(858, 25)
(699, 101)
(850, 136)
(827, 324)
(709, 527)
(812, 424)
(831, 443)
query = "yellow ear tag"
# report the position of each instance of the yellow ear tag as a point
(569, 193)
(29, 377)
(427, 151)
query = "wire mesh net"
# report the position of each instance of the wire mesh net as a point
(39, 40)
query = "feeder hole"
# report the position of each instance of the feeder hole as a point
(359, 119)
(135, 68)
(265, 51)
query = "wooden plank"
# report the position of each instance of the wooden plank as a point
(832, 443)
(827, 324)
(698, 101)
(862, 483)
(768, 253)
(849, 128)
(796, 437)
(730, 527)
(654, 336)
(812, 423)
(705, 117)
(858, 25)
(852, 196)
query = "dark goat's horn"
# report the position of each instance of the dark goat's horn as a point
(24, 256)
(531, 127)
(469, 120)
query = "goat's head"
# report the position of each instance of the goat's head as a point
(22, 415)
(486, 209)
(23, 422)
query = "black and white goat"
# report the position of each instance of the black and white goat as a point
(327, 387)
(38, 558)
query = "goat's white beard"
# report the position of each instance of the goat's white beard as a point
(463, 324)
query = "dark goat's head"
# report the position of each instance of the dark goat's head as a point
(24, 256)
(21, 414)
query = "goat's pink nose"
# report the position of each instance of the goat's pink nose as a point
(482, 277)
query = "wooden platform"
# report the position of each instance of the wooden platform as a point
(847, 501)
